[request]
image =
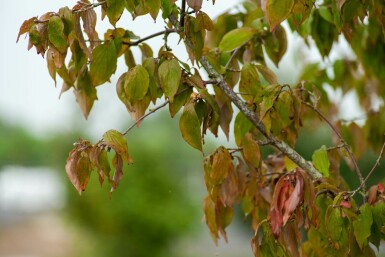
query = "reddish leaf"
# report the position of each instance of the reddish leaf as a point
(372, 194)
(25, 27)
(117, 162)
(380, 188)
(196, 5)
(346, 204)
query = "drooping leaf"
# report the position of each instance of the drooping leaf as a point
(56, 33)
(117, 162)
(153, 6)
(85, 93)
(321, 161)
(136, 83)
(104, 61)
(362, 225)
(277, 11)
(334, 223)
(250, 85)
(236, 38)
(241, 126)
(189, 126)
(276, 45)
(210, 217)
(251, 151)
(170, 74)
(196, 5)
(24, 28)
(116, 140)
(114, 10)
(89, 24)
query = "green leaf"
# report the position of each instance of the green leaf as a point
(189, 125)
(103, 64)
(251, 151)
(116, 140)
(241, 126)
(136, 83)
(180, 100)
(362, 225)
(321, 161)
(236, 38)
(56, 33)
(276, 45)
(250, 84)
(169, 74)
(85, 93)
(115, 9)
(277, 11)
(334, 223)
(154, 6)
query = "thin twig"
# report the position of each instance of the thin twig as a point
(376, 164)
(347, 148)
(164, 32)
(144, 116)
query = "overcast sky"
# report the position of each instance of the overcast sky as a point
(27, 93)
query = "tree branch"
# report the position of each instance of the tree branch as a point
(346, 146)
(252, 116)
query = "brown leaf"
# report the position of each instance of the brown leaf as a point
(294, 199)
(89, 23)
(372, 194)
(196, 5)
(117, 162)
(25, 27)
(80, 36)
(222, 165)
(251, 151)
(210, 217)
(78, 166)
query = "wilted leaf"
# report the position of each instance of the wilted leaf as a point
(117, 162)
(104, 61)
(170, 74)
(267, 73)
(221, 166)
(116, 140)
(89, 23)
(25, 27)
(236, 38)
(99, 159)
(189, 126)
(136, 83)
(80, 36)
(85, 93)
(114, 10)
(277, 11)
(210, 217)
(362, 225)
(196, 5)
(321, 161)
